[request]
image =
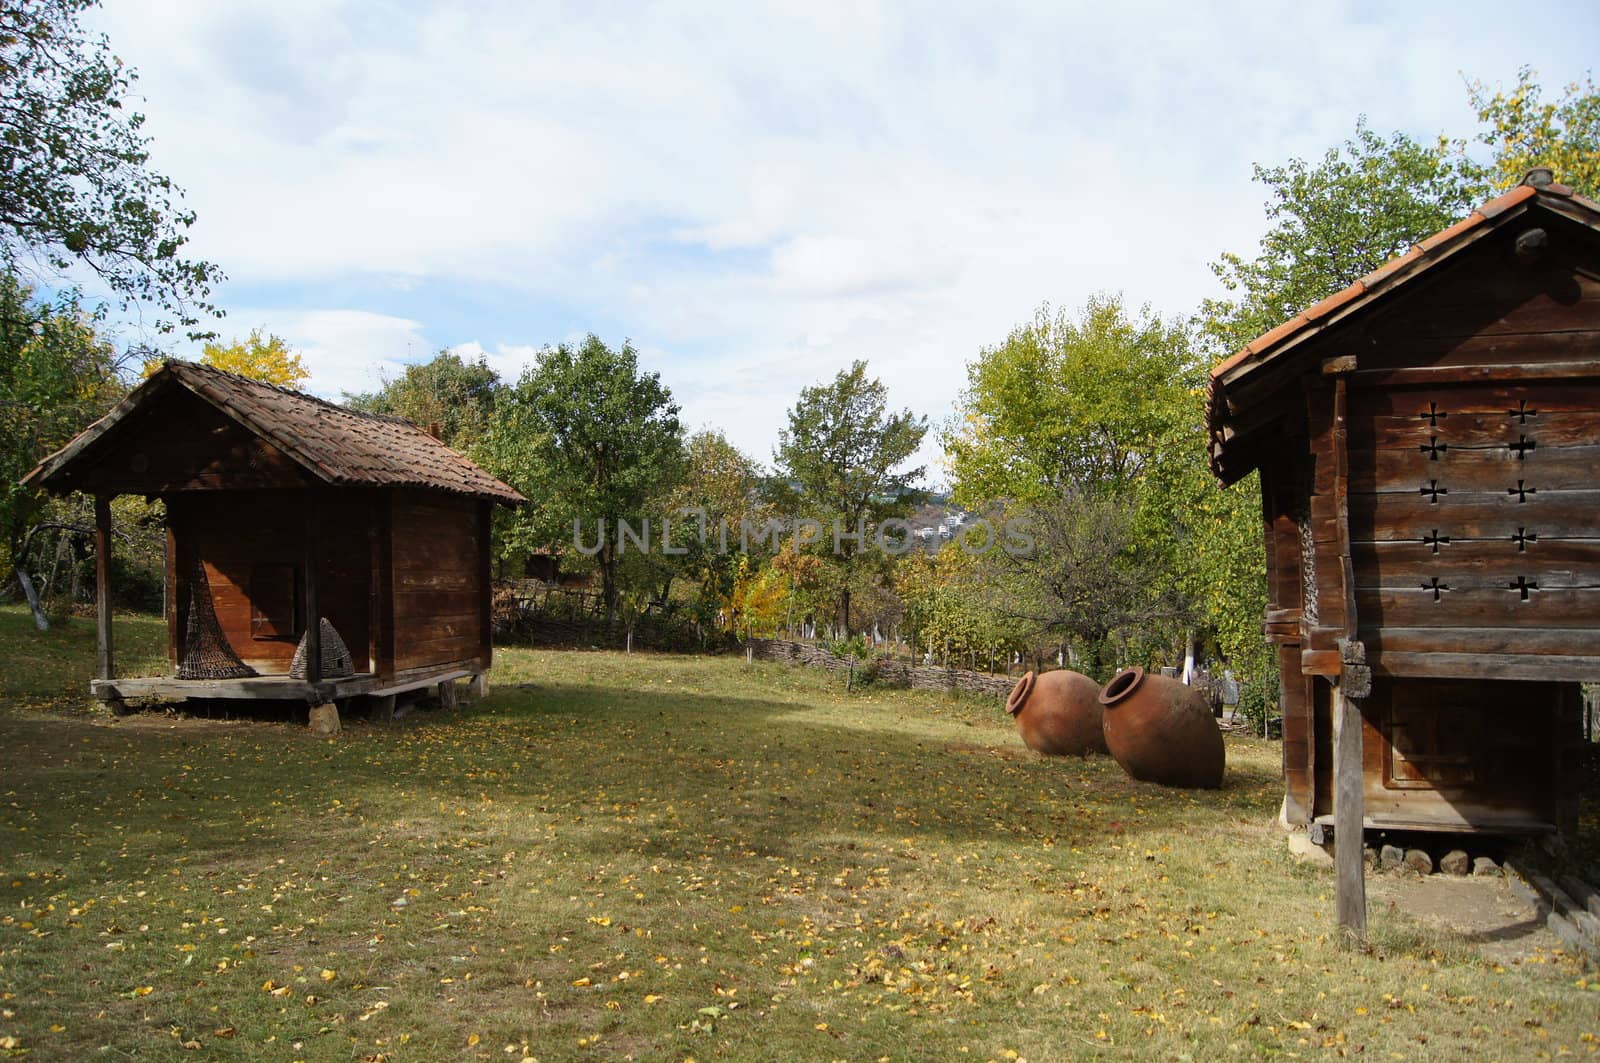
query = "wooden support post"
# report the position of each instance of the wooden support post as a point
(478, 686)
(105, 659)
(447, 694)
(313, 617)
(1349, 813)
(1354, 684)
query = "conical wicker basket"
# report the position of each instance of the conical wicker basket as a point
(206, 653)
(336, 660)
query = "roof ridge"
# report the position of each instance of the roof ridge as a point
(183, 365)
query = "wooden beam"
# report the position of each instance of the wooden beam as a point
(1350, 888)
(1577, 369)
(1355, 681)
(170, 597)
(105, 659)
(313, 606)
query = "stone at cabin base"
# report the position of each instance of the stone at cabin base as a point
(325, 719)
(1455, 862)
(1419, 861)
(1390, 856)
(1484, 865)
(1308, 851)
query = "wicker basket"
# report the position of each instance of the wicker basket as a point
(336, 660)
(206, 653)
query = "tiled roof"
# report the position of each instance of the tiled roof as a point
(1271, 345)
(334, 444)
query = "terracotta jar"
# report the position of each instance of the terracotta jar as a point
(1058, 713)
(1162, 731)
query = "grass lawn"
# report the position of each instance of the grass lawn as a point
(671, 857)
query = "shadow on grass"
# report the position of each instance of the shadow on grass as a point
(663, 773)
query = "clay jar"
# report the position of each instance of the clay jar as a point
(1058, 713)
(1162, 731)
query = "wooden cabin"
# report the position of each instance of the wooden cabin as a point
(280, 508)
(1428, 442)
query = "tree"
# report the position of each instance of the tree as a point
(1080, 402)
(1525, 131)
(76, 190)
(1090, 575)
(951, 605)
(1086, 424)
(268, 359)
(838, 458)
(1333, 221)
(449, 391)
(591, 441)
(56, 376)
(717, 498)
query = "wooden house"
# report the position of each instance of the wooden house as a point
(1428, 443)
(281, 508)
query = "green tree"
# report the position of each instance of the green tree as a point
(717, 498)
(1335, 220)
(1079, 402)
(591, 440)
(840, 461)
(1524, 130)
(56, 376)
(952, 609)
(76, 188)
(450, 391)
(1086, 425)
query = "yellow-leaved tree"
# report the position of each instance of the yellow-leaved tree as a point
(267, 358)
(1527, 130)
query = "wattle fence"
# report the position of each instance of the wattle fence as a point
(881, 671)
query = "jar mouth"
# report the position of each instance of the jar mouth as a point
(1122, 686)
(1019, 693)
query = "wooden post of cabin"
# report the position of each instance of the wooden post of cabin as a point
(1354, 683)
(1349, 813)
(313, 617)
(105, 660)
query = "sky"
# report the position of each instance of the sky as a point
(757, 194)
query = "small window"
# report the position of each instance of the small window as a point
(274, 602)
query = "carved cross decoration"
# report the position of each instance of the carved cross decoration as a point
(1524, 584)
(1433, 491)
(1522, 492)
(1432, 414)
(1435, 586)
(1522, 413)
(1433, 448)
(1521, 447)
(1435, 539)
(1522, 538)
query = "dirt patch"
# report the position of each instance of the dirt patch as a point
(1481, 911)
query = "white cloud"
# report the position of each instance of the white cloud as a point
(345, 350)
(758, 194)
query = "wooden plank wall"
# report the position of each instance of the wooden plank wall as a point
(235, 531)
(1474, 530)
(439, 592)
(1475, 472)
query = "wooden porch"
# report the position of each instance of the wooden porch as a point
(279, 687)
